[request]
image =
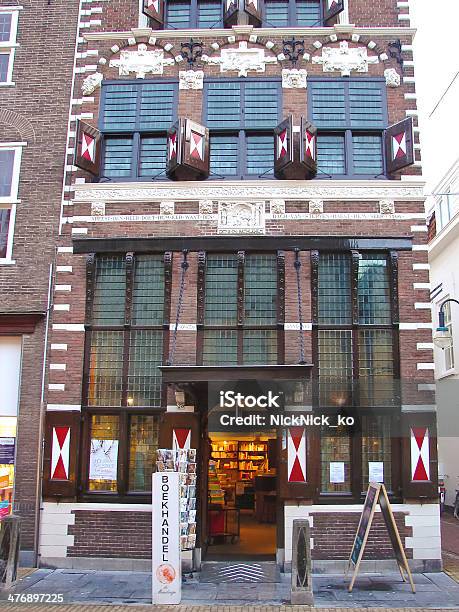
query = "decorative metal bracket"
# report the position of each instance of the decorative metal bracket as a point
(293, 49)
(191, 51)
(395, 51)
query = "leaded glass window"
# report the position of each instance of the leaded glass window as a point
(254, 340)
(194, 14)
(350, 116)
(281, 13)
(241, 117)
(134, 119)
(376, 450)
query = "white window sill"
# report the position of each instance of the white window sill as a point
(9, 44)
(10, 84)
(452, 372)
(7, 262)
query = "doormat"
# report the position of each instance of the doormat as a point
(234, 571)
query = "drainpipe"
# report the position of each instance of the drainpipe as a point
(39, 476)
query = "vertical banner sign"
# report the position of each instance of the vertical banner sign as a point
(167, 566)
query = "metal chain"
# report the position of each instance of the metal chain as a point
(184, 266)
(297, 265)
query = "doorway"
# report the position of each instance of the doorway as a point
(242, 496)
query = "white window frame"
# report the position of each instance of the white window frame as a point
(449, 351)
(344, 15)
(10, 202)
(8, 47)
(143, 19)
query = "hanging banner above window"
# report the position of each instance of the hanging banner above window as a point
(103, 463)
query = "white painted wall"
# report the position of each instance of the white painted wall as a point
(10, 374)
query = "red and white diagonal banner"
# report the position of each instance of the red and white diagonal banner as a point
(196, 148)
(296, 454)
(399, 145)
(420, 455)
(88, 147)
(282, 144)
(60, 453)
(181, 439)
(310, 145)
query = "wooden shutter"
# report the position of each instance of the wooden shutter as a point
(174, 147)
(179, 430)
(62, 434)
(196, 147)
(297, 470)
(332, 9)
(308, 147)
(154, 9)
(87, 147)
(419, 455)
(283, 147)
(253, 9)
(399, 145)
(230, 13)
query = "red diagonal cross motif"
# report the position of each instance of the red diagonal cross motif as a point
(296, 454)
(420, 455)
(310, 145)
(154, 4)
(196, 147)
(181, 438)
(60, 453)
(173, 145)
(254, 3)
(282, 144)
(331, 4)
(88, 147)
(399, 145)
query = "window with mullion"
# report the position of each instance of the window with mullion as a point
(134, 121)
(350, 116)
(281, 13)
(356, 371)
(241, 118)
(235, 331)
(195, 14)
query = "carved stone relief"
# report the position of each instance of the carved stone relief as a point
(294, 78)
(91, 83)
(241, 218)
(345, 59)
(191, 79)
(141, 62)
(241, 60)
(316, 207)
(387, 207)
(392, 77)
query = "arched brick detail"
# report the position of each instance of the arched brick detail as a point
(23, 125)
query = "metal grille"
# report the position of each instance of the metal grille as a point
(331, 158)
(104, 427)
(376, 374)
(367, 154)
(335, 449)
(335, 367)
(221, 290)
(4, 227)
(260, 346)
(334, 294)
(6, 164)
(143, 443)
(376, 447)
(5, 27)
(105, 368)
(148, 294)
(374, 290)
(153, 155)
(220, 347)
(144, 376)
(118, 157)
(260, 277)
(109, 294)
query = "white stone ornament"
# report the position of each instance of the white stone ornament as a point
(392, 77)
(316, 207)
(345, 59)
(294, 78)
(277, 207)
(241, 218)
(387, 207)
(91, 83)
(206, 207)
(98, 209)
(241, 60)
(142, 62)
(167, 208)
(191, 79)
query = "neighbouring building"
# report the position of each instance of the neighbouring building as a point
(36, 64)
(243, 207)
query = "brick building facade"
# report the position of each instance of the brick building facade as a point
(317, 275)
(33, 128)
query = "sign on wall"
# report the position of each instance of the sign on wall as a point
(166, 556)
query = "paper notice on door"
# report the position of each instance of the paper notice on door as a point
(336, 472)
(376, 471)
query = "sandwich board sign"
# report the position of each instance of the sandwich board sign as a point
(166, 554)
(377, 493)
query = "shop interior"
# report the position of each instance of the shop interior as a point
(242, 496)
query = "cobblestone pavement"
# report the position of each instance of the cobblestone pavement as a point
(248, 608)
(92, 588)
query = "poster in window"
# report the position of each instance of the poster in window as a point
(103, 464)
(337, 472)
(7, 451)
(376, 471)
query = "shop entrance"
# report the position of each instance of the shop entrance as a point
(242, 496)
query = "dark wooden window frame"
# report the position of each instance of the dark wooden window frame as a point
(136, 134)
(292, 16)
(240, 327)
(123, 412)
(394, 413)
(242, 133)
(349, 132)
(194, 16)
